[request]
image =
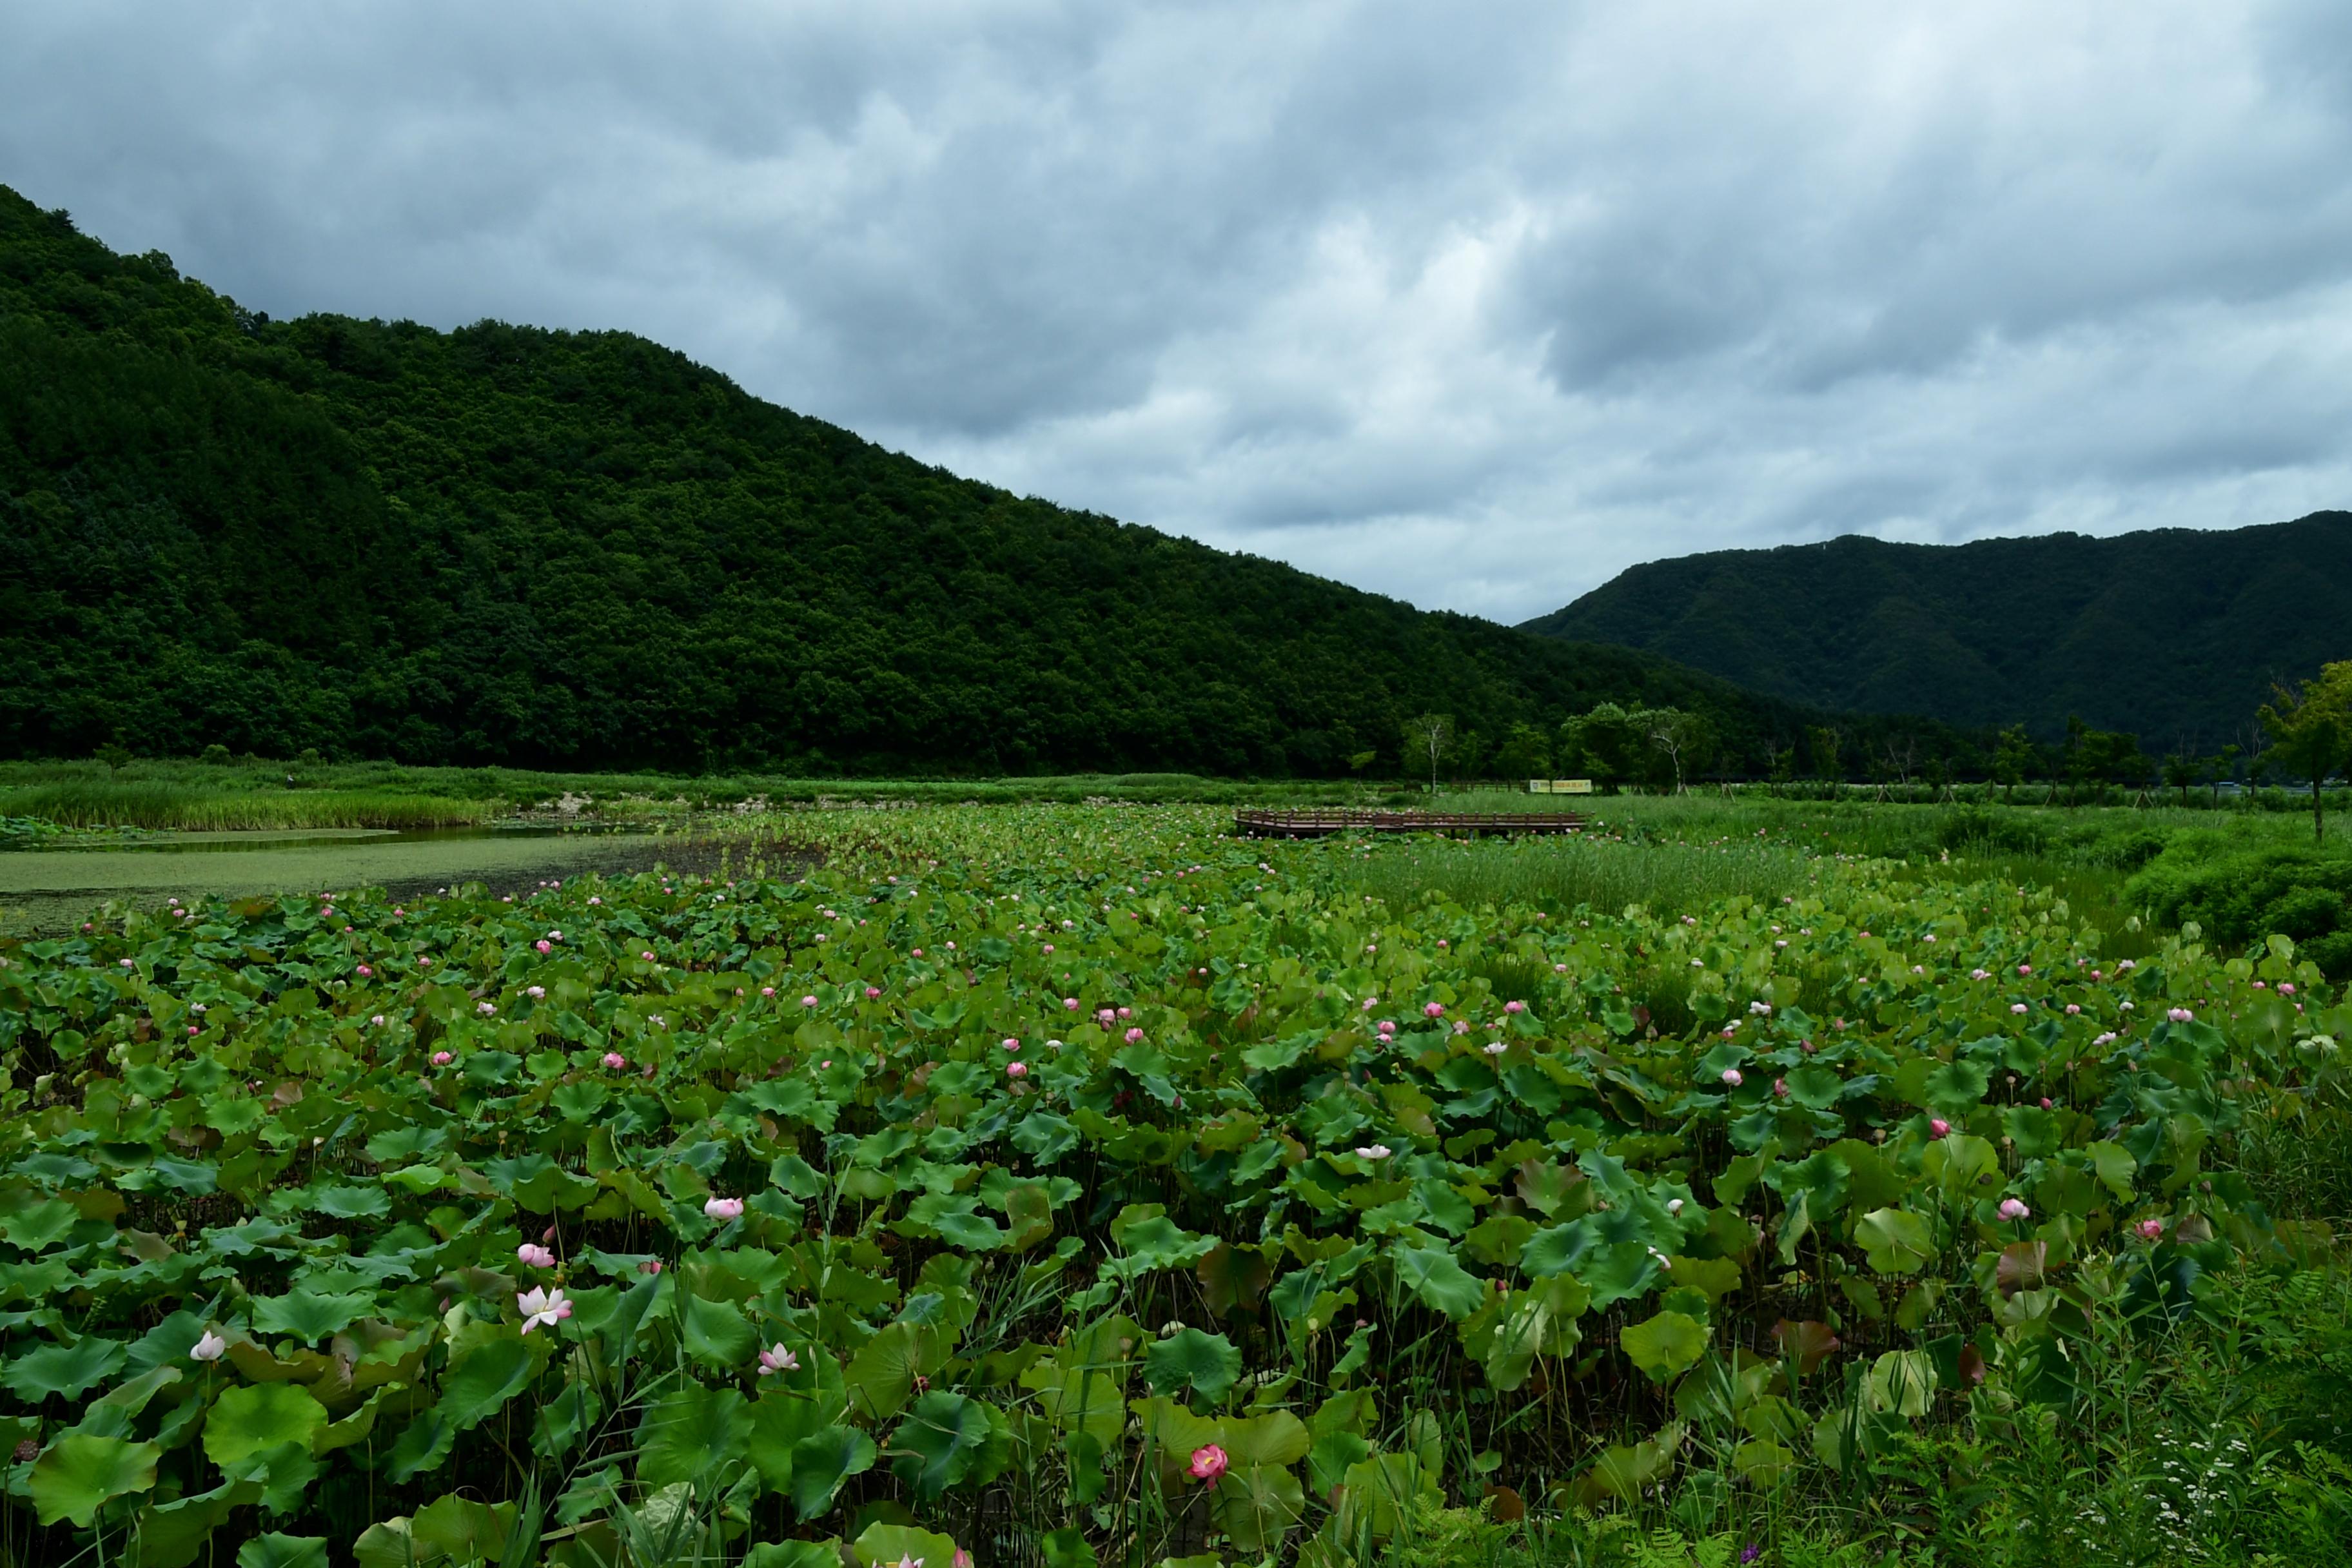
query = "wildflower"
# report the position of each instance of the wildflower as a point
(776, 1358)
(2014, 1208)
(723, 1209)
(538, 1306)
(1209, 1462)
(209, 1346)
(534, 1256)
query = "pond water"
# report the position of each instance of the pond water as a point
(54, 889)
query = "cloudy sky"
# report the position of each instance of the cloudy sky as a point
(1473, 305)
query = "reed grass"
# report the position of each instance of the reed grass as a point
(164, 805)
(1596, 872)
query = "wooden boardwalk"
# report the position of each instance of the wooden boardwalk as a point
(1321, 822)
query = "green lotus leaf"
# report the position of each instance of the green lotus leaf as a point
(484, 1378)
(940, 1441)
(822, 1462)
(693, 1432)
(307, 1316)
(1443, 1285)
(66, 1371)
(1895, 1241)
(246, 1419)
(77, 1475)
(1207, 1365)
(887, 1545)
(275, 1551)
(1664, 1345)
(716, 1332)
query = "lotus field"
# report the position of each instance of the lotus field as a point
(1065, 1186)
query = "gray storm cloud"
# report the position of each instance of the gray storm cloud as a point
(1474, 306)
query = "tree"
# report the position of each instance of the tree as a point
(1525, 753)
(1828, 745)
(2310, 728)
(1605, 743)
(2014, 756)
(2180, 770)
(2224, 766)
(1430, 736)
(1681, 736)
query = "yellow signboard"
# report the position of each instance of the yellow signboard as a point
(1560, 786)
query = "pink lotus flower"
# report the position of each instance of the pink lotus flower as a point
(872, 992)
(808, 1001)
(2025, 969)
(2014, 1208)
(1434, 1010)
(1133, 1036)
(1939, 1127)
(2180, 1016)
(1209, 1462)
(441, 1058)
(1106, 1017)
(2151, 1230)
(535, 1257)
(775, 1359)
(1731, 1076)
(1374, 1151)
(648, 955)
(1979, 974)
(1370, 1003)
(1515, 1006)
(1012, 1043)
(542, 1307)
(2017, 1007)
(615, 1060)
(1070, 1004)
(723, 1209)
(1781, 1087)
(209, 1346)
(365, 972)
(544, 945)
(1016, 1069)
(2046, 1103)
(1495, 1047)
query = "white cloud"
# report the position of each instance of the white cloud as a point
(1474, 306)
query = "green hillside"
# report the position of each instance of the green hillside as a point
(2172, 634)
(581, 550)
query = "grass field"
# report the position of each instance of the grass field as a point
(1065, 1186)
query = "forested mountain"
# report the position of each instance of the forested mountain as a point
(502, 544)
(2176, 635)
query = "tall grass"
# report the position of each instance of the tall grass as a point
(159, 805)
(1566, 872)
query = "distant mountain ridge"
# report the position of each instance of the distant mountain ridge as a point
(2175, 635)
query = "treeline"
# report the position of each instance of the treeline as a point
(554, 550)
